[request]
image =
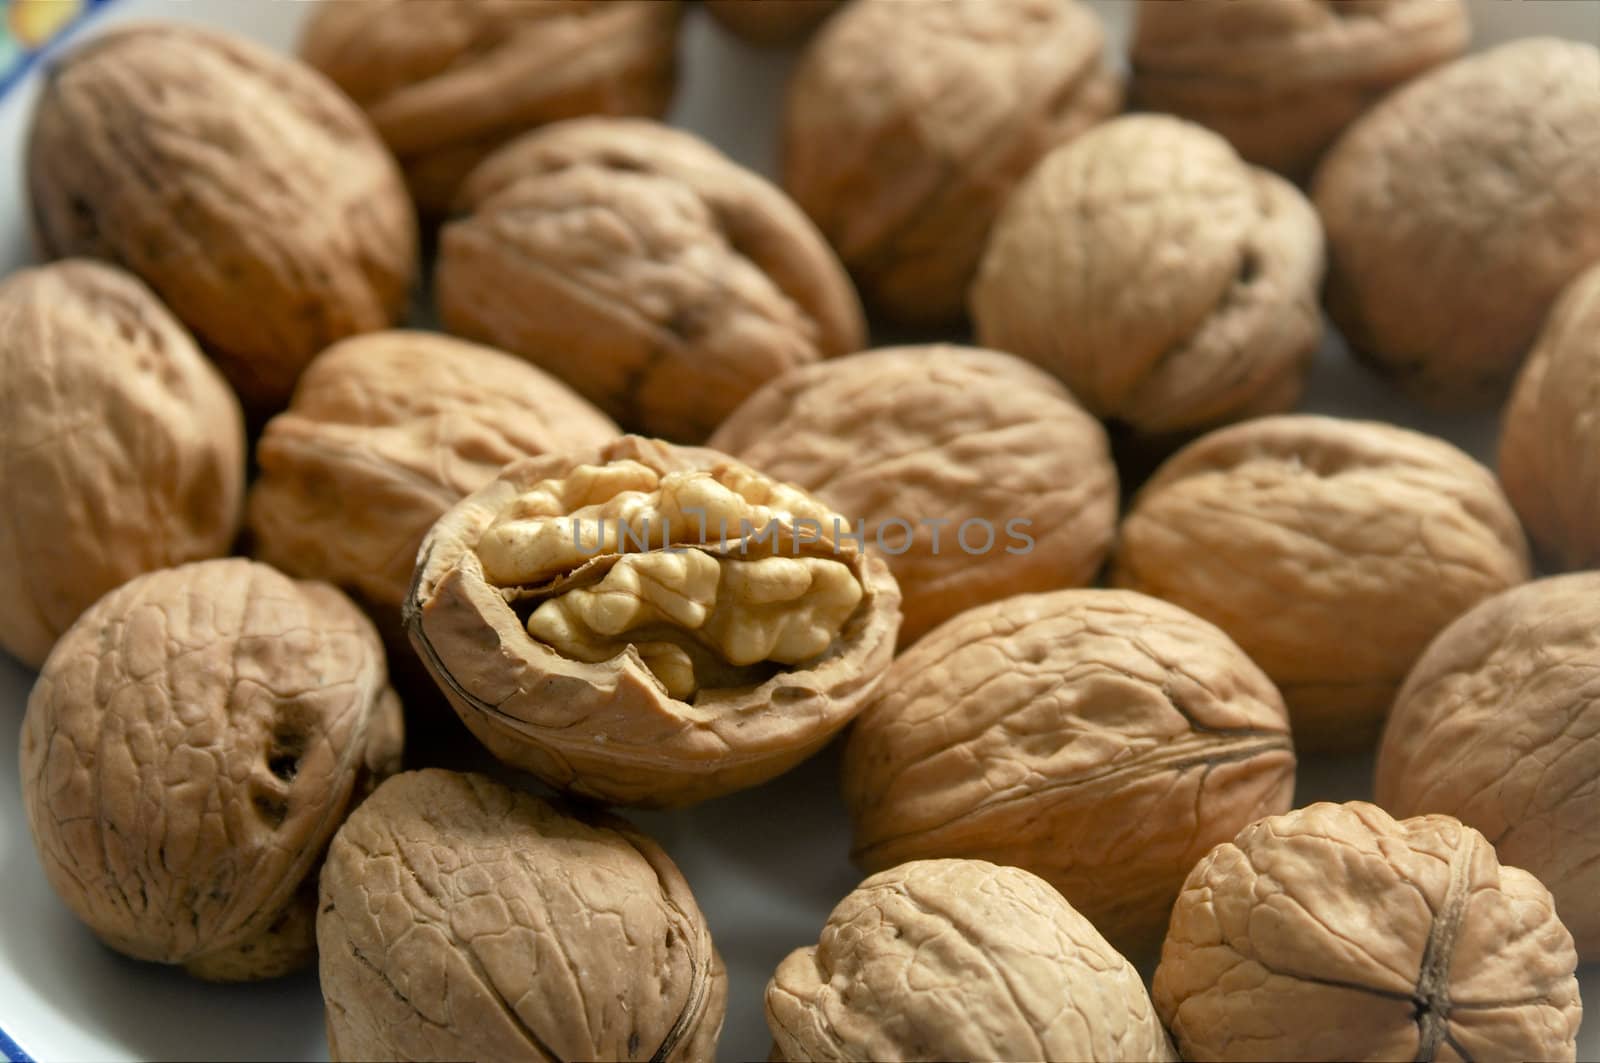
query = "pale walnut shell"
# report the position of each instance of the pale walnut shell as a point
(647, 270)
(771, 22)
(446, 82)
(1499, 726)
(239, 184)
(461, 919)
(1458, 208)
(942, 433)
(1281, 79)
(188, 750)
(1332, 552)
(607, 728)
(1101, 739)
(1172, 286)
(385, 433)
(907, 126)
(960, 959)
(121, 447)
(1550, 441)
(1335, 932)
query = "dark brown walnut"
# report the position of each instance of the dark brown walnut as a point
(650, 625)
(1101, 739)
(1172, 286)
(190, 747)
(1499, 726)
(121, 447)
(461, 919)
(907, 125)
(1280, 79)
(771, 22)
(1000, 482)
(446, 82)
(637, 263)
(240, 185)
(1458, 208)
(1336, 932)
(960, 959)
(1332, 551)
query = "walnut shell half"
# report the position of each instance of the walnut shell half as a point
(771, 22)
(648, 624)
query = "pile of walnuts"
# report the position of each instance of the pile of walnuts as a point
(656, 525)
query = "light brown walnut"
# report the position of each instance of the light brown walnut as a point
(771, 22)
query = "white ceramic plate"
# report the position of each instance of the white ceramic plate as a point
(766, 865)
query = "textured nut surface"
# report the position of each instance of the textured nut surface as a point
(942, 434)
(121, 448)
(1101, 739)
(240, 185)
(1332, 551)
(644, 268)
(770, 22)
(190, 747)
(1499, 726)
(907, 126)
(386, 432)
(445, 82)
(960, 959)
(1550, 441)
(461, 919)
(1282, 78)
(592, 624)
(1335, 932)
(1475, 179)
(1171, 285)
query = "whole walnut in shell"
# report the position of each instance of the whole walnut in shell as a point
(190, 747)
(121, 447)
(976, 475)
(446, 82)
(240, 185)
(769, 22)
(1168, 283)
(1280, 79)
(646, 269)
(649, 624)
(1332, 551)
(460, 919)
(1101, 739)
(387, 431)
(960, 959)
(1458, 208)
(908, 125)
(1550, 441)
(1499, 726)
(1336, 932)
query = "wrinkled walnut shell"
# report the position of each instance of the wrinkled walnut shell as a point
(191, 745)
(637, 263)
(771, 22)
(1172, 286)
(460, 919)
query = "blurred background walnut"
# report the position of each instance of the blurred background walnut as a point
(771, 22)
(121, 448)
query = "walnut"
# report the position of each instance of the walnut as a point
(1172, 286)
(1282, 78)
(647, 624)
(121, 448)
(240, 185)
(771, 22)
(1551, 439)
(1336, 932)
(907, 126)
(1020, 730)
(190, 747)
(1473, 181)
(1332, 551)
(1527, 777)
(446, 82)
(460, 919)
(644, 268)
(998, 480)
(960, 959)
